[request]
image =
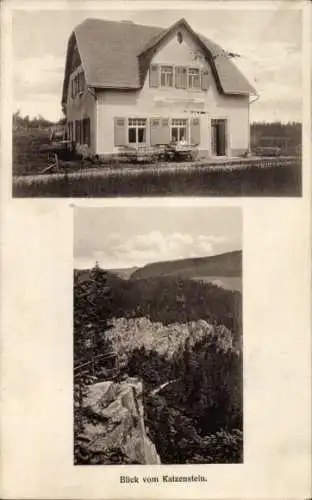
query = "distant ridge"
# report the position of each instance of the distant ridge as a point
(224, 270)
(226, 264)
(124, 273)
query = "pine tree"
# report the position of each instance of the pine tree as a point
(92, 303)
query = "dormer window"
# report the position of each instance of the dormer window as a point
(166, 76)
(78, 84)
(193, 78)
(180, 77)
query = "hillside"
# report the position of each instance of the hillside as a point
(124, 273)
(227, 264)
(171, 350)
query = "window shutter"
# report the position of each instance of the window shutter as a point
(154, 75)
(205, 79)
(83, 81)
(119, 131)
(76, 131)
(155, 131)
(165, 131)
(180, 77)
(86, 131)
(160, 131)
(80, 132)
(89, 132)
(195, 130)
(183, 78)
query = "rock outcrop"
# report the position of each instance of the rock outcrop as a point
(114, 420)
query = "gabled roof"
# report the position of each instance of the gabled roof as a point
(115, 54)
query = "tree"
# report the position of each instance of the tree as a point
(92, 301)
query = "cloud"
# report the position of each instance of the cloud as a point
(37, 85)
(38, 71)
(154, 246)
(269, 42)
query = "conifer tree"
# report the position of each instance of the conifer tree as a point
(92, 302)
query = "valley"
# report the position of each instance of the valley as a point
(180, 337)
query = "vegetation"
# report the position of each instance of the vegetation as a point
(183, 339)
(291, 130)
(168, 299)
(226, 264)
(28, 158)
(25, 122)
(92, 310)
(245, 178)
(260, 178)
(286, 136)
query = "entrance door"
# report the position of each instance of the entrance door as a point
(218, 137)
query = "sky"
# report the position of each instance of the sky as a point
(126, 237)
(269, 42)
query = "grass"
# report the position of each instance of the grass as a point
(27, 157)
(279, 180)
(244, 178)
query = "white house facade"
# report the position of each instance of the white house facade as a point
(132, 85)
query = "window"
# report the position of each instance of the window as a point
(166, 76)
(80, 82)
(179, 37)
(178, 130)
(70, 131)
(193, 78)
(136, 130)
(77, 84)
(86, 139)
(180, 77)
(78, 131)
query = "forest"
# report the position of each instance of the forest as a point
(183, 339)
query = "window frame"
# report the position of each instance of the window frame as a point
(78, 132)
(86, 131)
(70, 130)
(163, 72)
(78, 84)
(167, 76)
(175, 123)
(180, 74)
(137, 124)
(192, 77)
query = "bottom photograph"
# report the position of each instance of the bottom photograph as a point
(158, 335)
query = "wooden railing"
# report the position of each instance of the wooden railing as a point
(90, 367)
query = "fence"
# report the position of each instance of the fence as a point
(91, 368)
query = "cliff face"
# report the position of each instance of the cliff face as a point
(115, 421)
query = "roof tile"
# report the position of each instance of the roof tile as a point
(110, 51)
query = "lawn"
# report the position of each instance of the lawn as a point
(259, 177)
(27, 156)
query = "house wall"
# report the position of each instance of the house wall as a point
(79, 107)
(175, 103)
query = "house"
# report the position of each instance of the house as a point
(133, 85)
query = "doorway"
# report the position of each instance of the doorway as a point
(219, 137)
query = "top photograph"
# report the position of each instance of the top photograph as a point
(146, 103)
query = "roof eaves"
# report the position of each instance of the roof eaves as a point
(112, 87)
(66, 75)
